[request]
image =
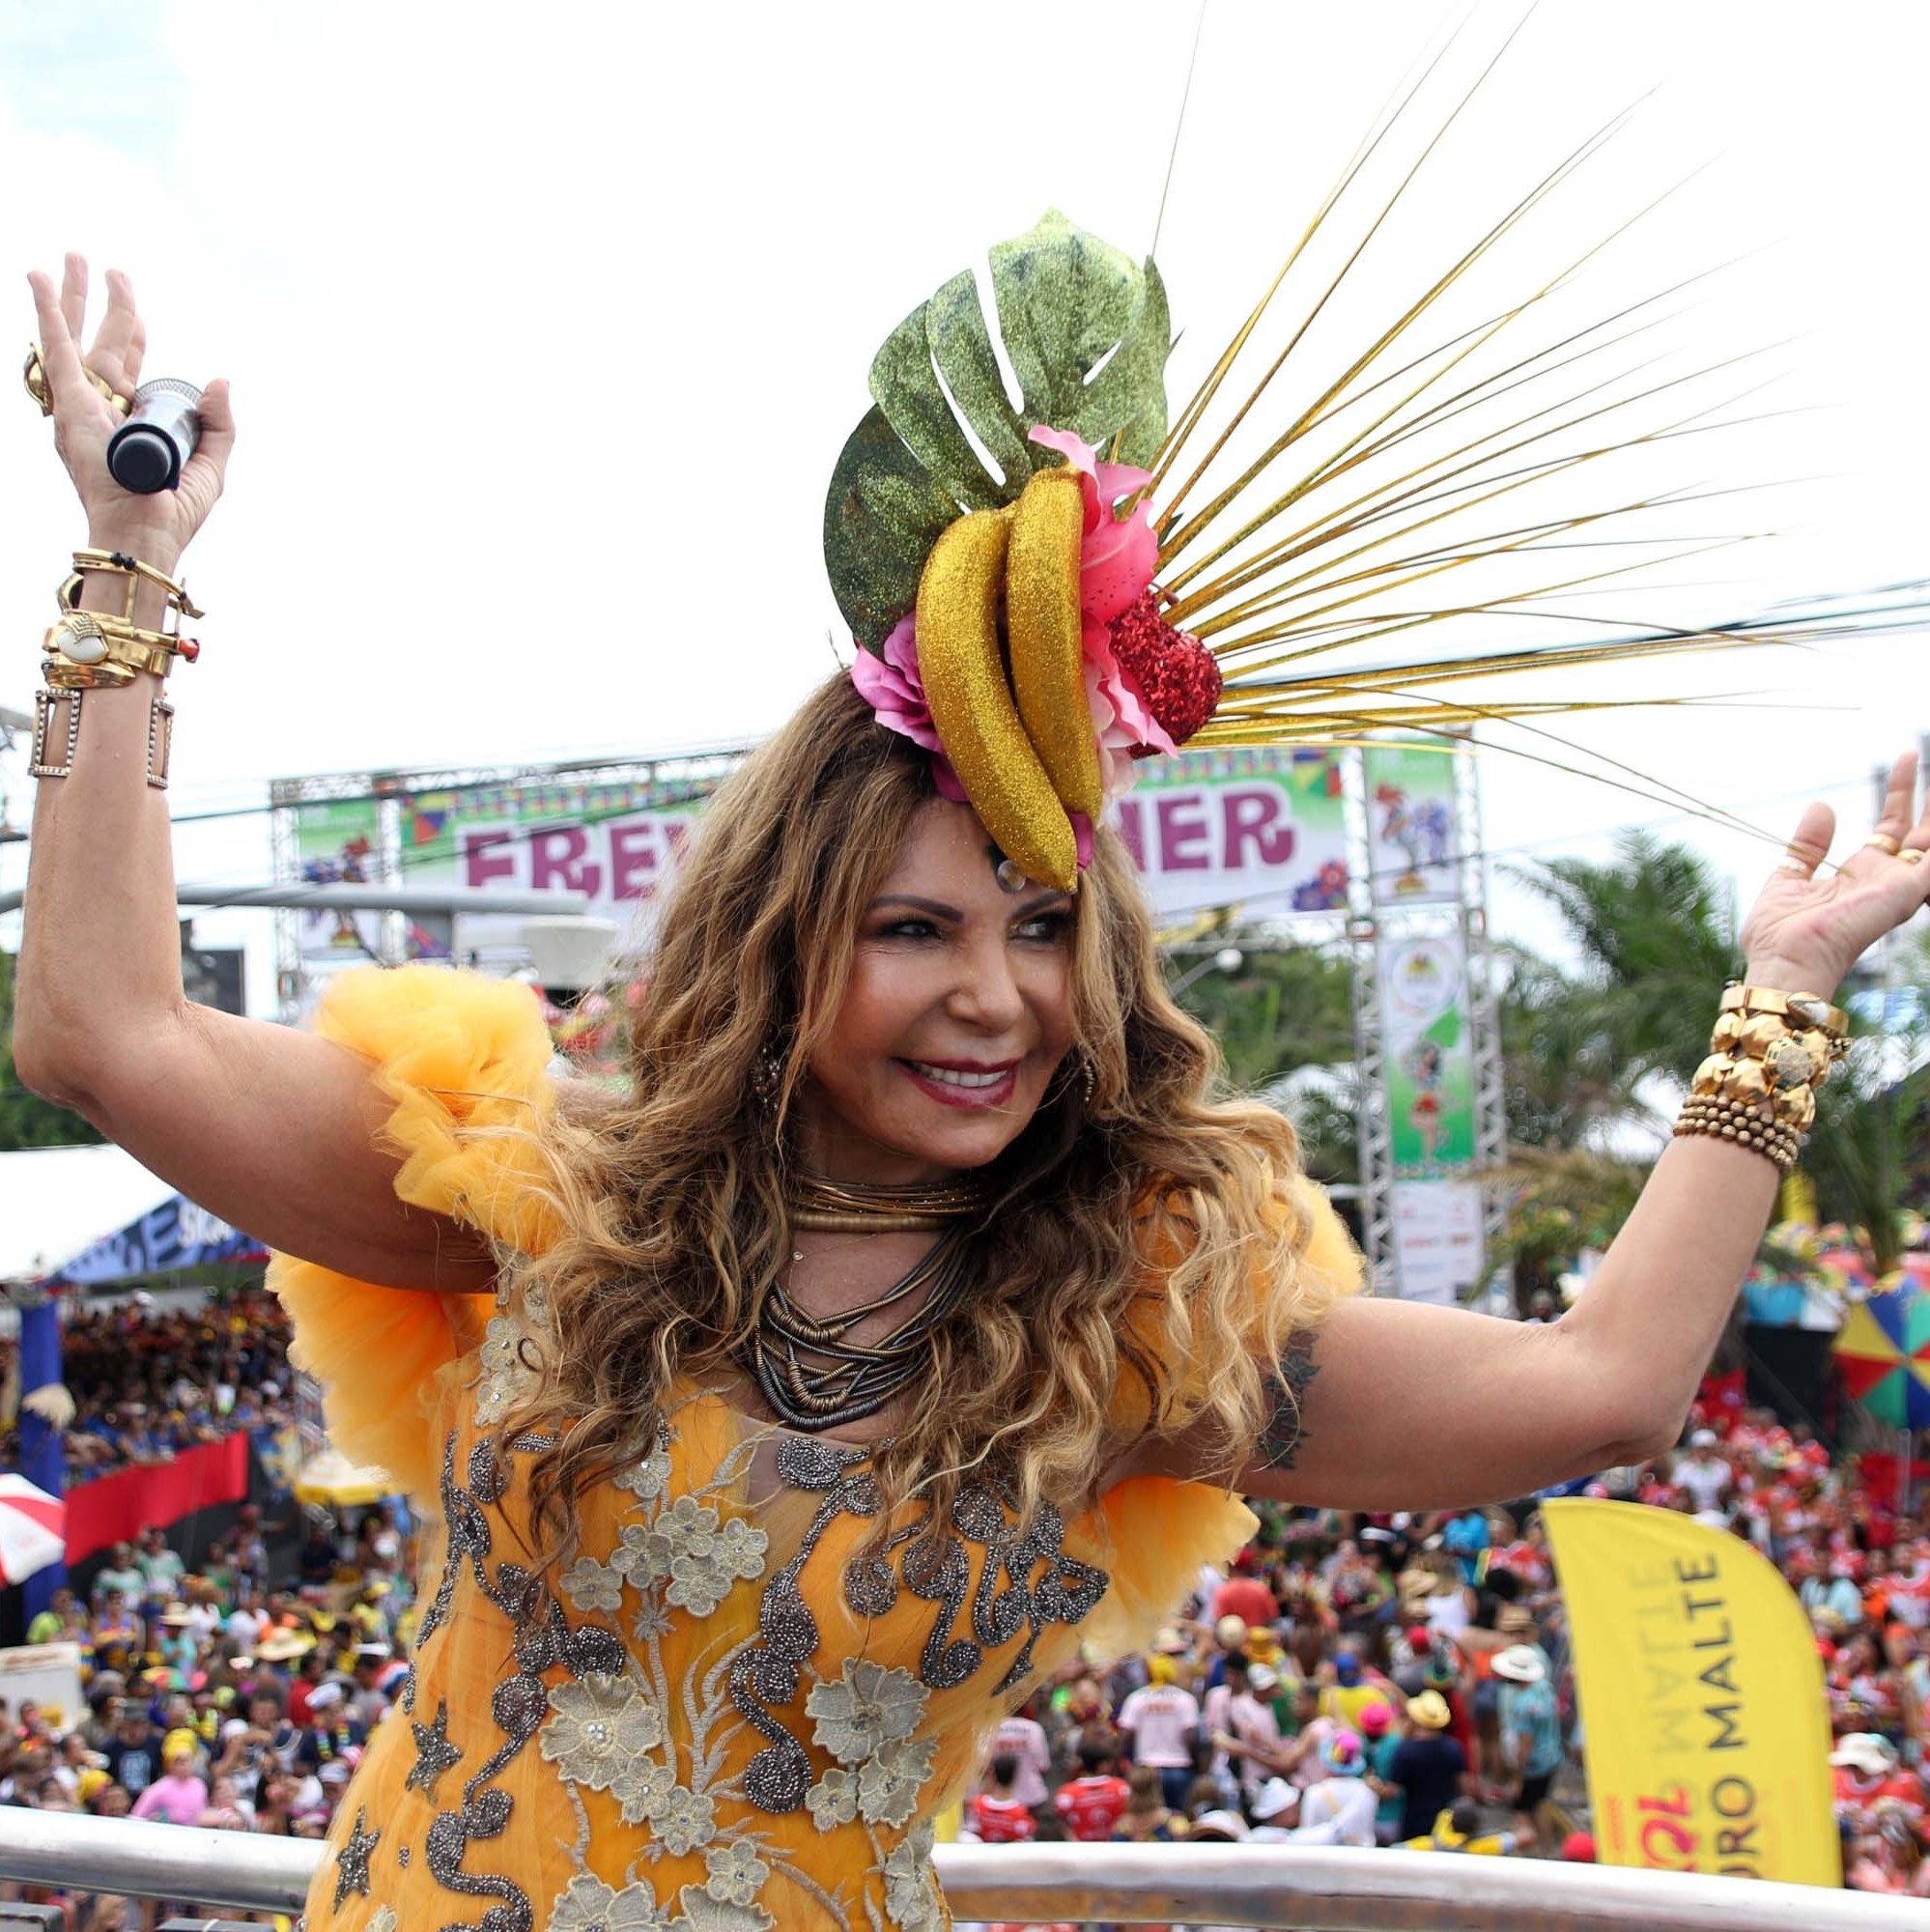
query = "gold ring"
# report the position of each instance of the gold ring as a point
(1911, 856)
(1796, 866)
(1884, 842)
(35, 376)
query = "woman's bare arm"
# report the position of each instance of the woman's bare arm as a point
(269, 1128)
(1397, 1405)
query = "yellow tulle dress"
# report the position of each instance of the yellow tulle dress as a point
(721, 1722)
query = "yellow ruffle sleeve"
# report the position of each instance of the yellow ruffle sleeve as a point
(464, 1061)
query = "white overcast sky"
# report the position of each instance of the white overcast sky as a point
(546, 326)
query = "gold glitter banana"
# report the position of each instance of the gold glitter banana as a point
(1042, 623)
(964, 678)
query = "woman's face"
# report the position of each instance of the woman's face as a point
(956, 1017)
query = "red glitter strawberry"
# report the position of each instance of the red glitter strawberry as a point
(1176, 674)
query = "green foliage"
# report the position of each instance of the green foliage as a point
(1653, 927)
(1066, 303)
(1286, 1009)
(26, 1121)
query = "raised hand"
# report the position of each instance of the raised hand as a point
(1808, 928)
(157, 528)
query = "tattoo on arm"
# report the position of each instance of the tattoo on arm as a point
(1281, 1439)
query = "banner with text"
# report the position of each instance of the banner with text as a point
(1437, 1244)
(1259, 829)
(1702, 1696)
(1414, 839)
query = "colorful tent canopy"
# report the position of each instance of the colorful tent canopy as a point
(1884, 1353)
(33, 1529)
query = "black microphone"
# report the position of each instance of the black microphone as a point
(148, 450)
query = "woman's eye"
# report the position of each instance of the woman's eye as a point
(909, 928)
(1049, 926)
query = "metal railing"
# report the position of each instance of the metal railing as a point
(1308, 1888)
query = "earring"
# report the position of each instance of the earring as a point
(1089, 1081)
(767, 1076)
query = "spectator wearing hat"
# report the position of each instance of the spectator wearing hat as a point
(180, 1795)
(1338, 1807)
(1161, 1724)
(1459, 1830)
(1531, 1740)
(1429, 1766)
(1272, 1808)
(133, 1754)
(1380, 1733)
(1354, 1687)
(1709, 1481)
(332, 1729)
(1254, 1725)
(1868, 1772)
(1245, 1595)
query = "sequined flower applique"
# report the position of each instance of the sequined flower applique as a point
(911, 1893)
(869, 1705)
(737, 1874)
(890, 1778)
(587, 1904)
(592, 1585)
(701, 1556)
(600, 1729)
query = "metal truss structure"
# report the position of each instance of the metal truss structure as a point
(1369, 928)
(686, 774)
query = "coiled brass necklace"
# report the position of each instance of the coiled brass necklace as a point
(812, 1377)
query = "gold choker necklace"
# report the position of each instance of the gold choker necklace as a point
(824, 1206)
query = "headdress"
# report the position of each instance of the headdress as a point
(1046, 586)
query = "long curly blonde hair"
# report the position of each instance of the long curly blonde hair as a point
(1150, 1235)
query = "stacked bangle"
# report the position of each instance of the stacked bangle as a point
(96, 650)
(1769, 1053)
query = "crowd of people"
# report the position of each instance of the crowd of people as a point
(147, 1383)
(226, 1696)
(1402, 1682)
(1367, 1681)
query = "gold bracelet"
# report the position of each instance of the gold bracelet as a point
(1805, 1009)
(1768, 1054)
(85, 652)
(121, 564)
(50, 703)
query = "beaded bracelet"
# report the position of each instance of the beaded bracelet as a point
(1769, 1053)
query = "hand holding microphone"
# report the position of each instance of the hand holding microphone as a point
(147, 483)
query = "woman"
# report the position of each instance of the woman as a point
(915, 1316)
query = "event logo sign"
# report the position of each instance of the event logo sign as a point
(1429, 1054)
(1412, 838)
(1702, 1694)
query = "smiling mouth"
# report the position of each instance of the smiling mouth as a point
(964, 1086)
(959, 1076)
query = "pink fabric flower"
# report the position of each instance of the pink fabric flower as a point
(1120, 555)
(893, 688)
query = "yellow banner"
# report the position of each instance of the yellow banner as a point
(1707, 1735)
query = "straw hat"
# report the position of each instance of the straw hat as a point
(1520, 1663)
(1867, 1752)
(177, 1613)
(284, 1646)
(1429, 1709)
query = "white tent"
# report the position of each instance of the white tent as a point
(54, 1201)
